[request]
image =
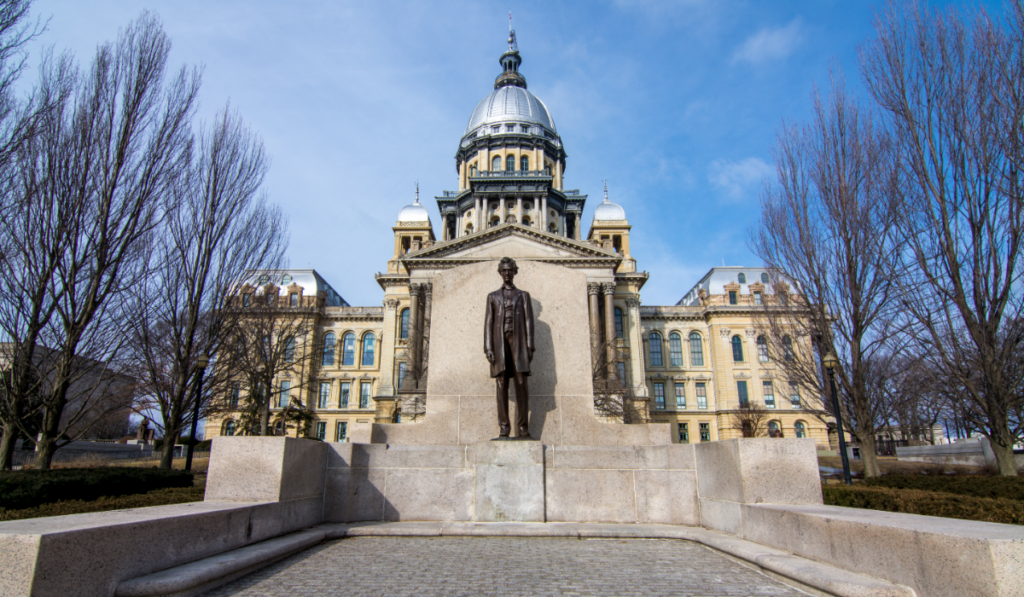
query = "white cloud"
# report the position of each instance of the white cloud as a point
(770, 43)
(736, 178)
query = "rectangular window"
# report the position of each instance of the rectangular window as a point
(684, 433)
(621, 367)
(618, 322)
(321, 430)
(364, 394)
(733, 298)
(757, 298)
(402, 369)
(343, 394)
(282, 398)
(325, 394)
(705, 432)
(246, 300)
(702, 397)
(680, 396)
(794, 394)
(236, 390)
(342, 432)
(659, 396)
(741, 389)
(655, 350)
(293, 301)
(769, 394)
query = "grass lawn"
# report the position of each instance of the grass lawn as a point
(951, 491)
(157, 497)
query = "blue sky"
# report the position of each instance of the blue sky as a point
(675, 103)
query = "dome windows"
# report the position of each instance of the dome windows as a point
(496, 164)
(524, 163)
(510, 163)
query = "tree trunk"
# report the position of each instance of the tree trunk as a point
(1004, 455)
(869, 457)
(45, 449)
(265, 417)
(7, 446)
(167, 451)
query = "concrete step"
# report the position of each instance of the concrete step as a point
(204, 575)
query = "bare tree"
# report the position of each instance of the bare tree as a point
(953, 88)
(829, 224)
(218, 227)
(271, 340)
(117, 148)
(616, 399)
(751, 420)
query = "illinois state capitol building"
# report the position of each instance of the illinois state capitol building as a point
(697, 364)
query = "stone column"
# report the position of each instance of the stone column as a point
(519, 209)
(387, 349)
(428, 299)
(412, 343)
(579, 224)
(609, 327)
(501, 209)
(593, 289)
(543, 213)
(476, 216)
(637, 362)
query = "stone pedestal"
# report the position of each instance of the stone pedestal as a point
(509, 481)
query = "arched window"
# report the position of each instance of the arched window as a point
(289, 349)
(656, 349)
(553, 228)
(348, 349)
(404, 333)
(764, 278)
(801, 429)
(787, 349)
(696, 351)
(527, 221)
(229, 428)
(495, 221)
(741, 278)
(524, 163)
(762, 349)
(510, 163)
(675, 349)
(328, 358)
(469, 229)
(369, 341)
(618, 322)
(773, 429)
(496, 164)
(472, 169)
(737, 349)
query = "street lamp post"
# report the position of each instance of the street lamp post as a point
(201, 364)
(830, 361)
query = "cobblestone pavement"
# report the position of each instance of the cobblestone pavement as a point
(469, 566)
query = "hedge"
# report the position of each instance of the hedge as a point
(27, 489)
(929, 503)
(1011, 488)
(158, 497)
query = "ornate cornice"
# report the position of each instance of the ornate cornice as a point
(581, 248)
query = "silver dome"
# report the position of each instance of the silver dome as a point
(608, 211)
(510, 104)
(414, 212)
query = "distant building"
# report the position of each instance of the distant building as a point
(693, 364)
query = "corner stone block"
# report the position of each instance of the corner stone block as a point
(266, 469)
(756, 471)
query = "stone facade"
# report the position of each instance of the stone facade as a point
(675, 365)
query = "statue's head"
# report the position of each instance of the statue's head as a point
(507, 269)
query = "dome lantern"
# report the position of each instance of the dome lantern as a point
(414, 212)
(608, 211)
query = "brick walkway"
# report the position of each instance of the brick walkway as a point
(470, 566)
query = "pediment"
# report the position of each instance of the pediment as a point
(516, 241)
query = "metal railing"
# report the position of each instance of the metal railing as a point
(512, 174)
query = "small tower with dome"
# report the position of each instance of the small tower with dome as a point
(413, 231)
(511, 164)
(610, 229)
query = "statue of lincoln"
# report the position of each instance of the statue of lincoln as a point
(508, 344)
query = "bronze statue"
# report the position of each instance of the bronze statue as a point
(508, 344)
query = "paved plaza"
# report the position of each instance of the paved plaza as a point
(470, 566)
